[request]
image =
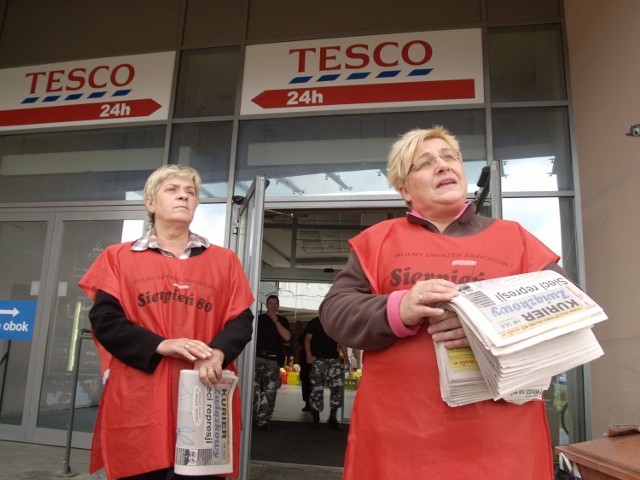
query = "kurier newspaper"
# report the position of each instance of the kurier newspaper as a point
(204, 440)
(523, 330)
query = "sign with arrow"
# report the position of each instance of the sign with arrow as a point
(87, 92)
(17, 318)
(375, 71)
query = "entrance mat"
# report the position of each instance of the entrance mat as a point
(297, 442)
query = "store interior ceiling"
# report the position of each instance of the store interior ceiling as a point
(311, 246)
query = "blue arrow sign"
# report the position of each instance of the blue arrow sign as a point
(17, 318)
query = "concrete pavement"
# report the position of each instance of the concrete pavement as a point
(27, 461)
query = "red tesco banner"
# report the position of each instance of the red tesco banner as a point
(375, 93)
(82, 112)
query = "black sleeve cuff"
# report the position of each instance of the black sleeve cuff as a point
(234, 337)
(130, 343)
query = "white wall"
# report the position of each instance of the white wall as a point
(604, 45)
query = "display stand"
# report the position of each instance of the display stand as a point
(606, 458)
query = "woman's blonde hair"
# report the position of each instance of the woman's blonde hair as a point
(402, 152)
(171, 170)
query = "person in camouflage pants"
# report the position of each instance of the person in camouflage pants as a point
(323, 354)
(273, 331)
(266, 383)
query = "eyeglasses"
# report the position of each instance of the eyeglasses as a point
(427, 160)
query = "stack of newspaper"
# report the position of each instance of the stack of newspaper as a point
(462, 381)
(523, 330)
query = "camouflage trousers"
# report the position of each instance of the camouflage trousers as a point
(266, 382)
(323, 370)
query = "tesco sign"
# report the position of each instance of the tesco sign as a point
(87, 92)
(75, 79)
(361, 55)
(420, 68)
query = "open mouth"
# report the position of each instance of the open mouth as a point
(447, 182)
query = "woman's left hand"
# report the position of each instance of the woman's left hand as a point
(447, 328)
(210, 369)
(184, 348)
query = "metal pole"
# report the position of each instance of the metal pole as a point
(484, 184)
(343, 371)
(84, 335)
(5, 360)
(246, 360)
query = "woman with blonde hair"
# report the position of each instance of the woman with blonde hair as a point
(168, 301)
(383, 302)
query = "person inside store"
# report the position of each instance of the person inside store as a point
(383, 302)
(355, 359)
(273, 332)
(305, 368)
(168, 301)
(326, 359)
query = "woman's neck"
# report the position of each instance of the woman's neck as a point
(173, 239)
(441, 222)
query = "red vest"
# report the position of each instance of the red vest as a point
(400, 426)
(136, 427)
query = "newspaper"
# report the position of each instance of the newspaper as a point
(536, 306)
(204, 436)
(462, 382)
(523, 330)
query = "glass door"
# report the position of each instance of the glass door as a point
(43, 256)
(22, 245)
(78, 239)
(246, 241)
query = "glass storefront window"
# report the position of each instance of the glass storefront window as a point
(207, 83)
(551, 219)
(209, 221)
(207, 148)
(21, 247)
(83, 241)
(83, 165)
(532, 145)
(526, 63)
(344, 155)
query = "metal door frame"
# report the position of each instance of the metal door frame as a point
(248, 213)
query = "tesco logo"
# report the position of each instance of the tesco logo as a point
(361, 55)
(75, 79)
